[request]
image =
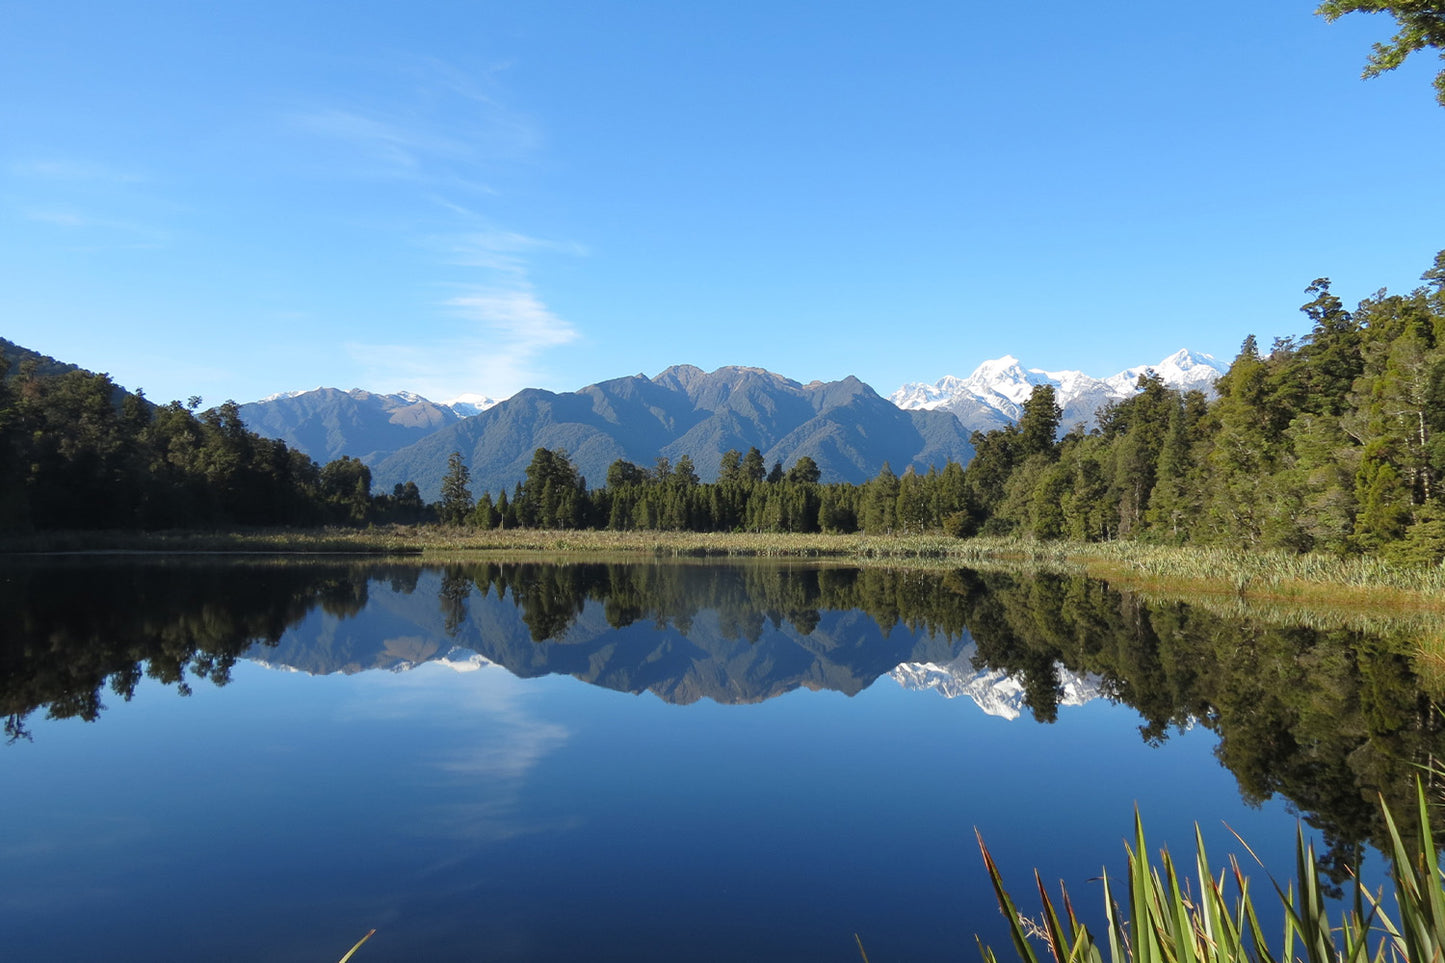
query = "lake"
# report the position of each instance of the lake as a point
(256, 760)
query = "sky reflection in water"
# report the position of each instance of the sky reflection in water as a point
(477, 815)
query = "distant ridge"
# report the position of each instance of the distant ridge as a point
(844, 426)
(327, 423)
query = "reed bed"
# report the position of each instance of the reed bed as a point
(1256, 570)
(1212, 918)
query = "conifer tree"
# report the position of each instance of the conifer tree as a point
(456, 501)
(805, 471)
(1039, 422)
(754, 469)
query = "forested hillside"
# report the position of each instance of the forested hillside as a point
(77, 452)
(1333, 441)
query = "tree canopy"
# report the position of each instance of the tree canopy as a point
(1421, 22)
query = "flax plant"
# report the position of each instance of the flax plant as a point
(1213, 918)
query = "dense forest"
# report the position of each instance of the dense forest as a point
(1328, 442)
(1333, 441)
(77, 452)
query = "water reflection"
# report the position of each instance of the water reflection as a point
(1325, 717)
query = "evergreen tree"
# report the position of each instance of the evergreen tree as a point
(1039, 422)
(346, 487)
(484, 514)
(456, 501)
(805, 471)
(879, 510)
(683, 474)
(911, 509)
(622, 473)
(730, 470)
(753, 467)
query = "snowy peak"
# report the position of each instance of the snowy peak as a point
(466, 405)
(282, 395)
(993, 691)
(1185, 370)
(994, 394)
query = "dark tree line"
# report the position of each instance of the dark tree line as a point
(746, 497)
(78, 453)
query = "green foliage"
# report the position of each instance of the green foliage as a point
(805, 471)
(346, 487)
(1039, 422)
(753, 467)
(76, 452)
(1334, 442)
(456, 501)
(1168, 918)
(555, 494)
(1421, 22)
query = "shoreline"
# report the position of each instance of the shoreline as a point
(1316, 591)
(1194, 570)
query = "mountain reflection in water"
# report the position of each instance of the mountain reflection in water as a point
(1325, 718)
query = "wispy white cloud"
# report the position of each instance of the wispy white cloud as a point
(445, 137)
(505, 739)
(509, 329)
(518, 316)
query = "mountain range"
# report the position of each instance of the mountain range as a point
(327, 423)
(844, 426)
(993, 395)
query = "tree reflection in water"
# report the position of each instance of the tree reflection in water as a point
(1326, 718)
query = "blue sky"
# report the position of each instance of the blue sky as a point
(232, 200)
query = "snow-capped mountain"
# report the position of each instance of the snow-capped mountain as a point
(992, 691)
(994, 394)
(470, 404)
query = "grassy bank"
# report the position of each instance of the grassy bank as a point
(1357, 585)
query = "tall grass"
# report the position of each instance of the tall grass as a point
(1168, 918)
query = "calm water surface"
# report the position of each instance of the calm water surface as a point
(643, 762)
